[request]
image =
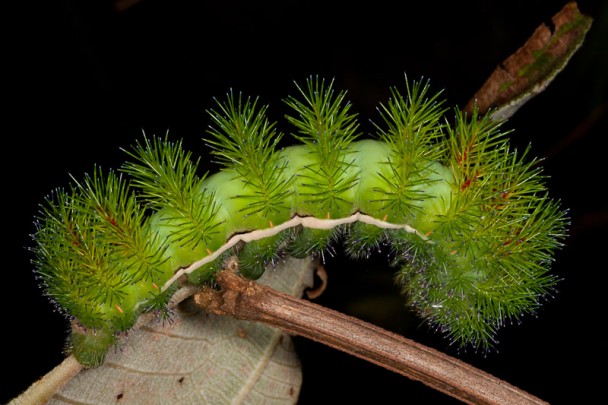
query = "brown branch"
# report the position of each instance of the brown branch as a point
(247, 300)
(529, 70)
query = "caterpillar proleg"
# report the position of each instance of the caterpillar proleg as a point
(470, 226)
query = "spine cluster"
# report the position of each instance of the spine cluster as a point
(468, 220)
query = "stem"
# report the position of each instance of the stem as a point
(42, 390)
(247, 300)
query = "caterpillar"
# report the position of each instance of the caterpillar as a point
(466, 219)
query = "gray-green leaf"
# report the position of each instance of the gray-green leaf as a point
(201, 359)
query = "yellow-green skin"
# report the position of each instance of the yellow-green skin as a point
(434, 271)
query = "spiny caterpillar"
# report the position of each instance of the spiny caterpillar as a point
(467, 219)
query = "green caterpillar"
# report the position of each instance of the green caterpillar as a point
(468, 220)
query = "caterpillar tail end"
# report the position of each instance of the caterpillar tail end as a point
(90, 346)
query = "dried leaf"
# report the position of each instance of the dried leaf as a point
(201, 358)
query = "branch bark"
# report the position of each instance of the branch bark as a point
(247, 300)
(529, 70)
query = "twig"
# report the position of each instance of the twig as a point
(529, 70)
(42, 390)
(247, 300)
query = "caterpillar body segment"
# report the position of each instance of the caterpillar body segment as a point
(468, 221)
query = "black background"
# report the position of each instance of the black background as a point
(85, 79)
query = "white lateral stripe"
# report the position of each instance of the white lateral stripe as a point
(306, 222)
